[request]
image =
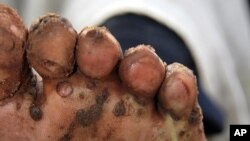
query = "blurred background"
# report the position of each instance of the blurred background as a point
(212, 37)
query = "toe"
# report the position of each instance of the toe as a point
(51, 44)
(12, 38)
(178, 92)
(142, 71)
(177, 103)
(98, 52)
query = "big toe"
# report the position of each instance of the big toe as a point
(12, 39)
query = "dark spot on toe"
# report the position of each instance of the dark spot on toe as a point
(192, 119)
(32, 90)
(65, 137)
(181, 133)
(142, 100)
(95, 34)
(103, 97)
(195, 116)
(119, 109)
(86, 117)
(64, 89)
(35, 112)
(81, 95)
(69, 134)
(66, 22)
(45, 21)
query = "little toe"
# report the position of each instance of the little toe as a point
(178, 92)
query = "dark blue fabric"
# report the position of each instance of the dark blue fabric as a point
(131, 30)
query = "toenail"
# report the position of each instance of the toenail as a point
(64, 89)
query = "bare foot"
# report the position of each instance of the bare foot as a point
(90, 90)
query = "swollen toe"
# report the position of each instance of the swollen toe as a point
(51, 45)
(178, 92)
(98, 52)
(177, 102)
(12, 39)
(142, 71)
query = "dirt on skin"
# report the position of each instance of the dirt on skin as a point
(87, 89)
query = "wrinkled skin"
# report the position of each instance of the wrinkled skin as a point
(89, 90)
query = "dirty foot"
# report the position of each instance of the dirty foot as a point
(87, 89)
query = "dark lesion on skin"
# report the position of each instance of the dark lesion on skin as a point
(182, 133)
(69, 135)
(96, 35)
(86, 117)
(38, 98)
(66, 137)
(35, 112)
(119, 109)
(195, 117)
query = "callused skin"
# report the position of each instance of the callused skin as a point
(102, 97)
